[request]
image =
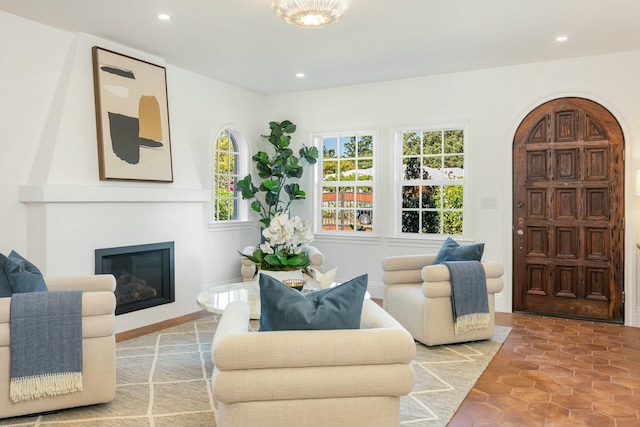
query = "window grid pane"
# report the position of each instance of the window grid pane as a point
(347, 183)
(225, 196)
(432, 182)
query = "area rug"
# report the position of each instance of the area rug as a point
(164, 380)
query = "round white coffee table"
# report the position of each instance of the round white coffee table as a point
(216, 298)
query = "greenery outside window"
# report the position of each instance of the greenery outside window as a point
(432, 181)
(225, 176)
(347, 186)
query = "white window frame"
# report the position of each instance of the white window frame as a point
(241, 208)
(318, 139)
(398, 134)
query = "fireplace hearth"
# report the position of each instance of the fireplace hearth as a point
(144, 274)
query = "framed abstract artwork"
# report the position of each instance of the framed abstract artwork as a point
(132, 118)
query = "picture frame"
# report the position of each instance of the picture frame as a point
(132, 118)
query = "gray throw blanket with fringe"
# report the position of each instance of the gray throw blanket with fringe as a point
(46, 344)
(469, 297)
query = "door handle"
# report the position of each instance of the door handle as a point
(520, 232)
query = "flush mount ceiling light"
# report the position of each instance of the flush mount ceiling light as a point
(310, 13)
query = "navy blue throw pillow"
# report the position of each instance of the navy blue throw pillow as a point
(5, 287)
(452, 251)
(283, 308)
(22, 275)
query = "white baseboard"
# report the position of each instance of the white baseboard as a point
(376, 290)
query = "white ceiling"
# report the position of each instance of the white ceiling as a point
(243, 42)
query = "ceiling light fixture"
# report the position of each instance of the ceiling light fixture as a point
(310, 13)
(299, 75)
(164, 17)
(562, 38)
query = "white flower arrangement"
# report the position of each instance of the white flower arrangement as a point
(284, 241)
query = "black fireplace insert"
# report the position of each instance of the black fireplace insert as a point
(144, 274)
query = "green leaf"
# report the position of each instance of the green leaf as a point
(256, 205)
(292, 189)
(264, 171)
(268, 185)
(288, 127)
(310, 154)
(271, 199)
(251, 258)
(282, 258)
(284, 141)
(295, 172)
(299, 260)
(247, 188)
(273, 259)
(261, 156)
(292, 162)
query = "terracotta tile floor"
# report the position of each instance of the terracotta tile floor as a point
(555, 372)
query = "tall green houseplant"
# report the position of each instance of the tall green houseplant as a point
(276, 172)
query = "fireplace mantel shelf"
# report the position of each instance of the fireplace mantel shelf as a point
(108, 194)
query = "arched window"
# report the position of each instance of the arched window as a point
(225, 176)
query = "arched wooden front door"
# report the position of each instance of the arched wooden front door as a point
(568, 218)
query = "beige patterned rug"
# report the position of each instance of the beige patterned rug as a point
(163, 380)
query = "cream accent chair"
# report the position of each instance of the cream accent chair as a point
(98, 348)
(248, 269)
(311, 378)
(418, 295)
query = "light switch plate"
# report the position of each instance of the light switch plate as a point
(489, 202)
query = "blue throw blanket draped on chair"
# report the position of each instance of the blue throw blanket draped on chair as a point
(46, 344)
(469, 298)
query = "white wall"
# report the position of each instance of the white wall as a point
(32, 58)
(493, 102)
(53, 207)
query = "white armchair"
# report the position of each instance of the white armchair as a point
(98, 348)
(351, 377)
(248, 269)
(418, 295)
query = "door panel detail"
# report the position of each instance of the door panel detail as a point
(539, 131)
(596, 243)
(566, 282)
(594, 130)
(537, 203)
(597, 164)
(596, 283)
(538, 243)
(537, 165)
(566, 126)
(566, 242)
(537, 275)
(597, 202)
(566, 203)
(566, 164)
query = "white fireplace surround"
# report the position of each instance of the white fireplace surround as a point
(66, 223)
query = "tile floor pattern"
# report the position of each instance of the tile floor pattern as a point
(556, 372)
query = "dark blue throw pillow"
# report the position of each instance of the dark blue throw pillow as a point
(5, 287)
(283, 308)
(22, 275)
(452, 251)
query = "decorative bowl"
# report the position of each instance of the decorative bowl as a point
(297, 284)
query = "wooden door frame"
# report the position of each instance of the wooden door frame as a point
(631, 307)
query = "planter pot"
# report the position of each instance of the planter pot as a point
(280, 275)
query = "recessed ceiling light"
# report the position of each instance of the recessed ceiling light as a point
(164, 17)
(562, 38)
(299, 75)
